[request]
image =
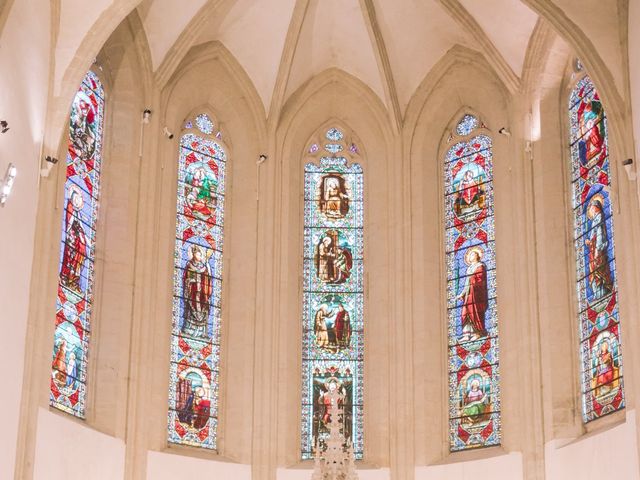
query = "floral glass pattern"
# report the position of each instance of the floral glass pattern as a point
(474, 388)
(333, 295)
(597, 290)
(197, 289)
(77, 249)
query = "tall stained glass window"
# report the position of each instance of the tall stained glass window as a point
(474, 387)
(197, 287)
(77, 249)
(600, 352)
(333, 303)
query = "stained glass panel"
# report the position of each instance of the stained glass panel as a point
(197, 290)
(474, 388)
(204, 124)
(333, 298)
(600, 351)
(77, 249)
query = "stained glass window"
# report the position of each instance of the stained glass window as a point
(197, 289)
(474, 389)
(333, 303)
(77, 249)
(600, 352)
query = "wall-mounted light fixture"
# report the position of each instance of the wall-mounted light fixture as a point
(48, 165)
(4, 126)
(7, 183)
(504, 131)
(628, 167)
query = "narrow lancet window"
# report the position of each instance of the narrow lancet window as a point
(597, 290)
(197, 286)
(77, 249)
(333, 291)
(474, 388)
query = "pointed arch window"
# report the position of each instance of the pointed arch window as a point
(77, 249)
(597, 291)
(474, 389)
(197, 286)
(333, 291)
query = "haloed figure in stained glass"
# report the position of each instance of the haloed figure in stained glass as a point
(333, 258)
(334, 201)
(592, 131)
(198, 288)
(75, 246)
(597, 243)
(474, 296)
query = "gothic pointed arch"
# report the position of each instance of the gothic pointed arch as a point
(333, 289)
(471, 293)
(74, 300)
(197, 284)
(601, 375)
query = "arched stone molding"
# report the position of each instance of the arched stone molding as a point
(209, 80)
(5, 8)
(210, 15)
(625, 214)
(216, 51)
(613, 96)
(491, 53)
(442, 98)
(108, 359)
(333, 98)
(66, 78)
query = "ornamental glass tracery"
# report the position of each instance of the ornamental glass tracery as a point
(474, 388)
(77, 249)
(197, 289)
(333, 292)
(597, 290)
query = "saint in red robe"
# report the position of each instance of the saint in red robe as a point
(75, 247)
(475, 299)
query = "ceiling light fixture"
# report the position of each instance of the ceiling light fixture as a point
(7, 183)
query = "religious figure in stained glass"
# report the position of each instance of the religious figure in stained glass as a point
(474, 296)
(333, 298)
(334, 200)
(600, 350)
(333, 258)
(77, 249)
(474, 390)
(195, 340)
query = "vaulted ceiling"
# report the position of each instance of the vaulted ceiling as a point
(388, 45)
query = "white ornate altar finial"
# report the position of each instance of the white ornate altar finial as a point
(337, 461)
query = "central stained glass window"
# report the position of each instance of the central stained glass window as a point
(197, 289)
(474, 388)
(333, 303)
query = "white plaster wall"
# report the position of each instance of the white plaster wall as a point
(596, 456)
(634, 70)
(24, 64)
(503, 467)
(93, 455)
(165, 465)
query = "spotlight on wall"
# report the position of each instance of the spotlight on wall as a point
(50, 159)
(146, 116)
(4, 126)
(262, 159)
(167, 133)
(504, 131)
(628, 167)
(7, 183)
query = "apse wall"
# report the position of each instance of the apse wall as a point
(24, 62)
